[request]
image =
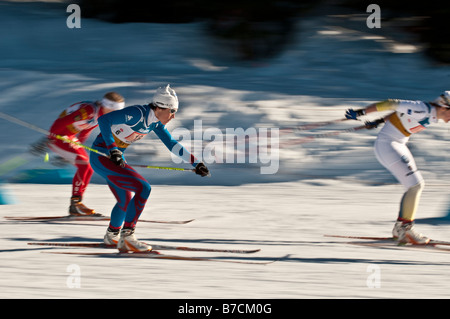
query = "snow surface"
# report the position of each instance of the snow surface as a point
(330, 186)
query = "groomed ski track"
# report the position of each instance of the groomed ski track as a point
(318, 267)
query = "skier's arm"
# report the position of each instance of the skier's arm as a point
(84, 134)
(382, 106)
(179, 150)
(386, 105)
(66, 122)
(175, 147)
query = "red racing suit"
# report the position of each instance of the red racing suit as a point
(76, 123)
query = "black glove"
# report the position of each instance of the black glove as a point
(40, 147)
(116, 157)
(201, 170)
(373, 124)
(59, 161)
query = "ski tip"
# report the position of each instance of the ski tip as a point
(167, 221)
(287, 256)
(149, 252)
(187, 221)
(275, 259)
(282, 258)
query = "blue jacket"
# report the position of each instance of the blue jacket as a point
(121, 128)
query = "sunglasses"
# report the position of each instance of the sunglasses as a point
(172, 111)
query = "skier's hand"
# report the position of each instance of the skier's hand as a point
(59, 161)
(116, 157)
(40, 147)
(352, 114)
(373, 124)
(202, 170)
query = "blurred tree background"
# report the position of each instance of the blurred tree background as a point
(262, 28)
(429, 20)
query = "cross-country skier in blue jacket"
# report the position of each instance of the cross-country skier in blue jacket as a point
(118, 130)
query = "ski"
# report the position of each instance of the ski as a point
(394, 245)
(361, 237)
(95, 217)
(156, 247)
(157, 255)
(432, 242)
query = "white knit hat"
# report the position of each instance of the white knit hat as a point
(165, 98)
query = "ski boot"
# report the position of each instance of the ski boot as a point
(129, 243)
(408, 235)
(77, 208)
(112, 237)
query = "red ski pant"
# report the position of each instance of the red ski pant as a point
(78, 157)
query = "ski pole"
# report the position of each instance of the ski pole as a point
(308, 139)
(65, 139)
(310, 126)
(163, 167)
(40, 130)
(147, 166)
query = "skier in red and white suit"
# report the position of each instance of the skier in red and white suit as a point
(76, 123)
